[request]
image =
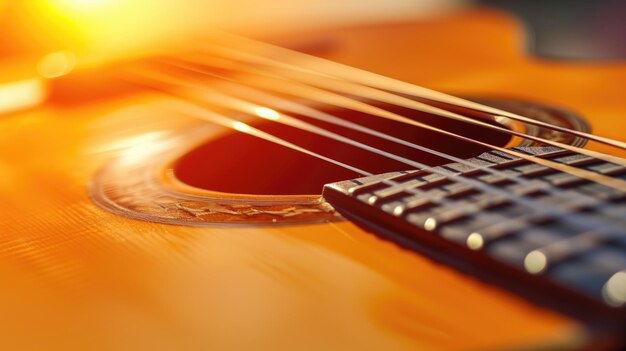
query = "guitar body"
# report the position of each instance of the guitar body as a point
(78, 276)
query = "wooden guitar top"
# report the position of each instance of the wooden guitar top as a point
(76, 276)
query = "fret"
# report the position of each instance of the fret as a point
(533, 170)
(434, 179)
(495, 179)
(489, 201)
(609, 258)
(549, 246)
(510, 251)
(564, 180)
(559, 251)
(575, 202)
(458, 189)
(608, 169)
(507, 227)
(361, 185)
(601, 192)
(418, 202)
(498, 157)
(532, 188)
(399, 188)
(582, 276)
(444, 214)
(461, 168)
(574, 160)
(390, 192)
(542, 236)
(415, 202)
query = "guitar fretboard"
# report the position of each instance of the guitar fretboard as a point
(568, 234)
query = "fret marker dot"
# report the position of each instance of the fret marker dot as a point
(475, 241)
(430, 224)
(398, 211)
(372, 200)
(535, 262)
(614, 291)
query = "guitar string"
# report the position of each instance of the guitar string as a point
(346, 102)
(530, 203)
(283, 104)
(236, 125)
(531, 121)
(410, 90)
(352, 89)
(536, 261)
(254, 93)
(202, 112)
(544, 253)
(316, 65)
(558, 128)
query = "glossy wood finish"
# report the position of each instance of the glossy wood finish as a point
(78, 277)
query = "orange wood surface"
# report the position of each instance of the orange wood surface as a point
(77, 277)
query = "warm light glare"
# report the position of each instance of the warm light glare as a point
(267, 113)
(19, 95)
(242, 127)
(112, 28)
(140, 148)
(83, 5)
(56, 64)
(79, 7)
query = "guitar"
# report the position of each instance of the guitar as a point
(157, 203)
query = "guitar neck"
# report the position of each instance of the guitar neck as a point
(537, 222)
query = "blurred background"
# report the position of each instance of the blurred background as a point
(50, 38)
(556, 28)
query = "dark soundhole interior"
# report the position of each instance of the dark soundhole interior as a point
(243, 164)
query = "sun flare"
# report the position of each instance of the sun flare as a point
(110, 27)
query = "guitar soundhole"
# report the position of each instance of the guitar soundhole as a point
(242, 164)
(231, 163)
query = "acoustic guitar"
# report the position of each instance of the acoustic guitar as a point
(174, 201)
